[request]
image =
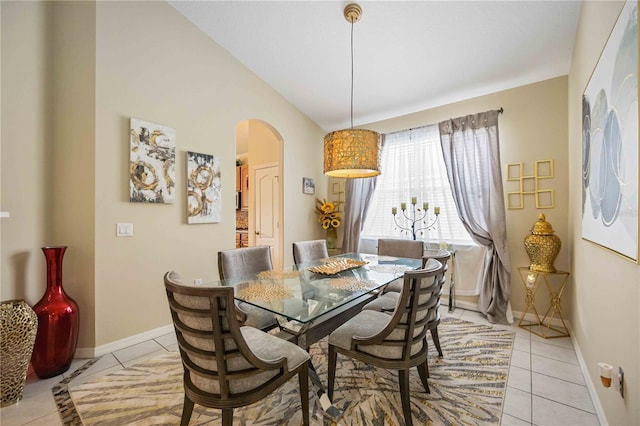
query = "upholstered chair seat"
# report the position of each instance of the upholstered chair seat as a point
(227, 365)
(256, 317)
(369, 324)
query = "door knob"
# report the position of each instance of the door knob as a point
(257, 232)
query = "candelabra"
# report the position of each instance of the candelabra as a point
(416, 220)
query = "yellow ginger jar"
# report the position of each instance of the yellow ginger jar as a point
(542, 246)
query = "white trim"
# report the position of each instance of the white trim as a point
(123, 343)
(602, 419)
(470, 306)
(531, 317)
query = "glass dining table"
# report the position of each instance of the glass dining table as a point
(310, 300)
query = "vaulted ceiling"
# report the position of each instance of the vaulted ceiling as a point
(408, 55)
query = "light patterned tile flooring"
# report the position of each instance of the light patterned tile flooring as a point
(545, 386)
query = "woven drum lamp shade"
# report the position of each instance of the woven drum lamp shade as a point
(352, 153)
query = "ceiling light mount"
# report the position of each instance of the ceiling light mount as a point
(352, 13)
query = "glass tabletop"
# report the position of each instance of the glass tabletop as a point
(307, 291)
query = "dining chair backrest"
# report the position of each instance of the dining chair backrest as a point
(400, 248)
(307, 251)
(404, 335)
(214, 353)
(244, 261)
(221, 369)
(441, 256)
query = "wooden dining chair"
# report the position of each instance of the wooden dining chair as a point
(227, 365)
(396, 341)
(388, 301)
(246, 261)
(307, 251)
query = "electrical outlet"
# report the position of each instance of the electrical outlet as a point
(197, 281)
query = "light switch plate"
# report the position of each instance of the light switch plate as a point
(124, 229)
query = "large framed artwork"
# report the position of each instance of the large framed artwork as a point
(204, 199)
(610, 142)
(152, 160)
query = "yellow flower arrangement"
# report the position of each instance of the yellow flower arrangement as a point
(328, 217)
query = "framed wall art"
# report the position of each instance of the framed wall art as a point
(610, 142)
(152, 158)
(308, 186)
(204, 188)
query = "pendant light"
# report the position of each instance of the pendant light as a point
(352, 153)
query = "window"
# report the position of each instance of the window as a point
(412, 166)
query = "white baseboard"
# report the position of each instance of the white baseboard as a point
(459, 304)
(581, 362)
(556, 322)
(123, 343)
(602, 419)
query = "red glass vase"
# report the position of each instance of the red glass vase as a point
(58, 321)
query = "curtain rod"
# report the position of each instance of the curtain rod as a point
(500, 111)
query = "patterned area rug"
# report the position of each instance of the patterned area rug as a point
(467, 387)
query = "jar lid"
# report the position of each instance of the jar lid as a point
(542, 227)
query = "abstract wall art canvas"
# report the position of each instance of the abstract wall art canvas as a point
(204, 188)
(152, 159)
(610, 142)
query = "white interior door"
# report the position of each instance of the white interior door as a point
(267, 202)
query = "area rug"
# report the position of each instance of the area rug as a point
(467, 387)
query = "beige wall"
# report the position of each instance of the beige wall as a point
(26, 147)
(73, 156)
(606, 296)
(119, 67)
(533, 127)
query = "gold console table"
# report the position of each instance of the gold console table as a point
(555, 283)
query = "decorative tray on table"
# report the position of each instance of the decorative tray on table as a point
(341, 265)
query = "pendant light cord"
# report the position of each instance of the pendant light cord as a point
(352, 73)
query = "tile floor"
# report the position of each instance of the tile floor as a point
(545, 386)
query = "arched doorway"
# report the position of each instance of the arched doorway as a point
(260, 148)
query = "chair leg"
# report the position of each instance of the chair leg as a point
(187, 409)
(227, 417)
(405, 397)
(303, 377)
(333, 356)
(436, 340)
(423, 370)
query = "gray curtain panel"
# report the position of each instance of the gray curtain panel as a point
(358, 196)
(471, 152)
